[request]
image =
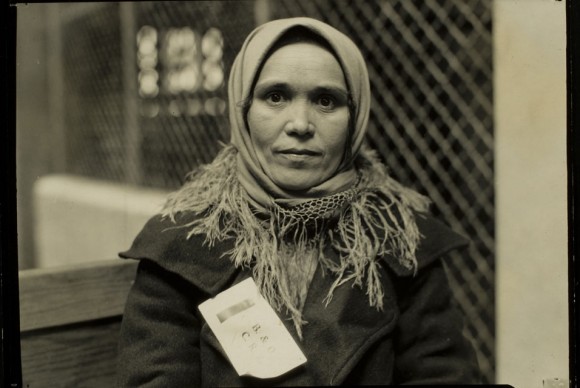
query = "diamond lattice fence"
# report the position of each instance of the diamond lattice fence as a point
(431, 118)
(430, 66)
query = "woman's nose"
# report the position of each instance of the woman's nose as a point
(298, 120)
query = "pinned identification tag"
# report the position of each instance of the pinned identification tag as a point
(251, 334)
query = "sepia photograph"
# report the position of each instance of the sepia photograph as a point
(292, 193)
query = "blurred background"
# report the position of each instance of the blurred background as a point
(117, 102)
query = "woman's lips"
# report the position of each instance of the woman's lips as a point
(298, 151)
(298, 154)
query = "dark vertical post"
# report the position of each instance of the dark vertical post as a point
(133, 139)
(10, 369)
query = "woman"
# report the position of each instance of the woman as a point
(347, 258)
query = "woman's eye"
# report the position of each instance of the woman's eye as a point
(326, 102)
(274, 98)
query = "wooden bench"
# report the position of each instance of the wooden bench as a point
(69, 323)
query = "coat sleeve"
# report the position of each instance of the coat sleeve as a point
(159, 343)
(430, 347)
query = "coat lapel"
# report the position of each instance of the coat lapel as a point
(339, 334)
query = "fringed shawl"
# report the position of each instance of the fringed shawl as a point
(378, 219)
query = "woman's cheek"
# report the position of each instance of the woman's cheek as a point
(336, 131)
(262, 122)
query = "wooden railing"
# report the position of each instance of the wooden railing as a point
(69, 323)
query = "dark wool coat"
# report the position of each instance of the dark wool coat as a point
(417, 338)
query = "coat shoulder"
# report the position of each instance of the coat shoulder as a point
(436, 240)
(167, 243)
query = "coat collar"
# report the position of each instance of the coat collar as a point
(436, 241)
(166, 243)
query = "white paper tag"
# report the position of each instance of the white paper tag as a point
(251, 334)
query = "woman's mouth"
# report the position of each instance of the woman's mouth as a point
(298, 155)
(299, 152)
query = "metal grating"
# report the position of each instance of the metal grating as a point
(93, 94)
(430, 64)
(174, 143)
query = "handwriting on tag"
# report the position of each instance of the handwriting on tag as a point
(251, 334)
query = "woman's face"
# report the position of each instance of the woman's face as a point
(299, 116)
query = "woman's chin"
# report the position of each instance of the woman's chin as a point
(296, 185)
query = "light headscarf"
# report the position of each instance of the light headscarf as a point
(245, 70)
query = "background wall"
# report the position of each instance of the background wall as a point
(530, 123)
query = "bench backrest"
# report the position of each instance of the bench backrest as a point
(69, 323)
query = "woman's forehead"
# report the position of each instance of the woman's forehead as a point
(302, 63)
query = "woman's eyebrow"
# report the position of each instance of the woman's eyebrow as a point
(328, 88)
(267, 85)
(331, 89)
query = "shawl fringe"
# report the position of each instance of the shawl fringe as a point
(379, 221)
